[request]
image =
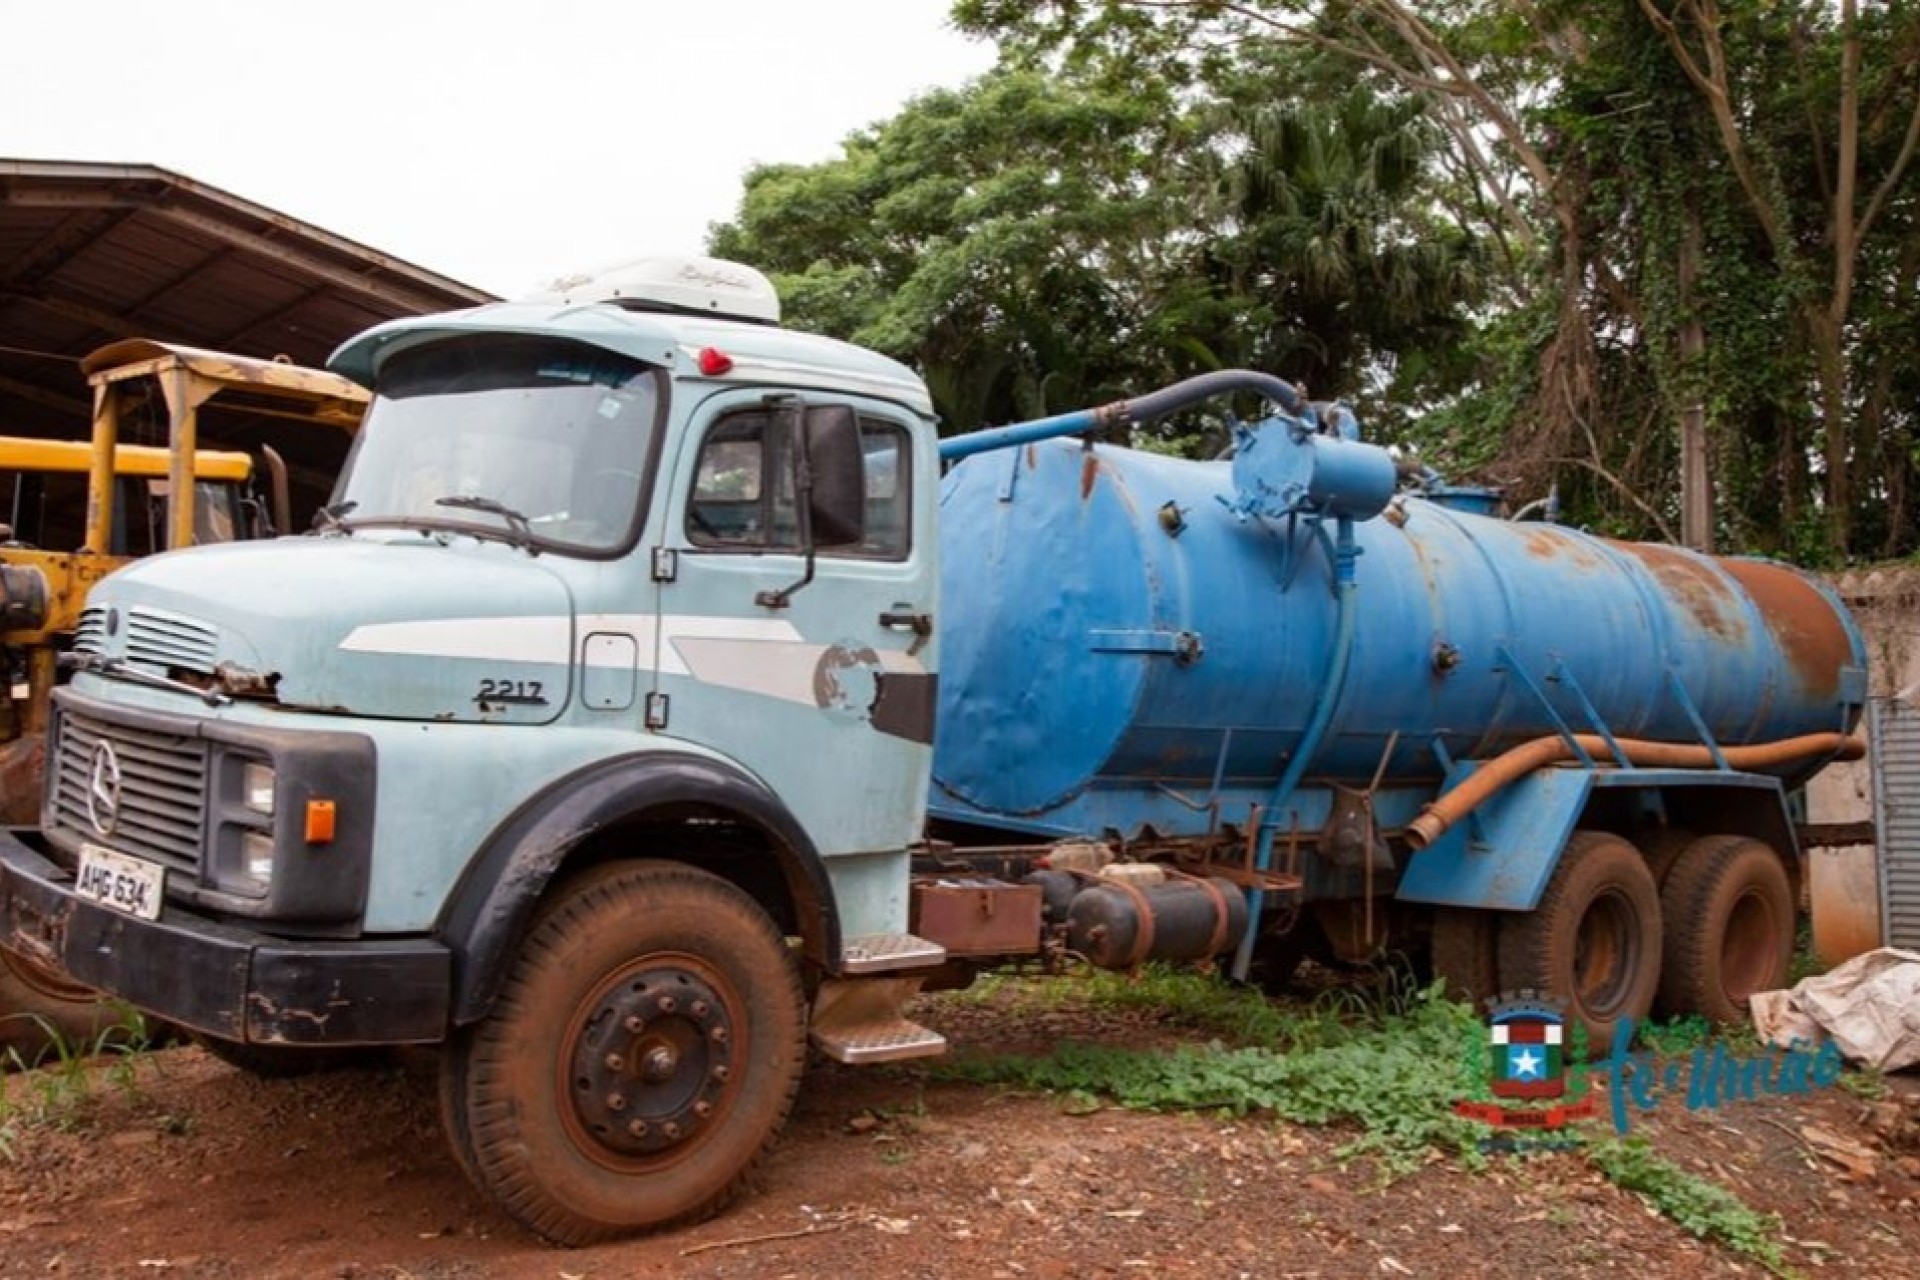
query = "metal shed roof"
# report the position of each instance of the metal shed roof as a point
(95, 253)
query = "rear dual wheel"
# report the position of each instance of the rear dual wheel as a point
(1594, 941)
(641, 1057)
(1730, 927)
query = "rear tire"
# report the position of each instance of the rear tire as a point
(1662, 847)
(642, 1056)
(1594, 941)
(1730, 927)
(1466, 952)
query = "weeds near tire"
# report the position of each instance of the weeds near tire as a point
(60, 1087)
(1389, 1062)
(1706, 1209)
(1391, 1073)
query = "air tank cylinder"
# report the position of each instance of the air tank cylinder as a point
(1116, 924)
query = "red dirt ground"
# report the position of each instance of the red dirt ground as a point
(196, 1170)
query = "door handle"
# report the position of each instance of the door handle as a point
(921, 624)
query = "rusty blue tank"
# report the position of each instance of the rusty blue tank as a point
(1136, 644)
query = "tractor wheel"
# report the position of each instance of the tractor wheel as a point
(1728, 906)
(1466, 952)
(1594, 940)
(641, 1057)
(44, 1016)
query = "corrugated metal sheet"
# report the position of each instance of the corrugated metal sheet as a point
(1895, 725)
(93, 253)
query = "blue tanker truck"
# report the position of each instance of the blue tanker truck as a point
(592, 736)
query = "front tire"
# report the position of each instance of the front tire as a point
(641, 1057)
(1593, 941)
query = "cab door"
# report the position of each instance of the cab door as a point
(821, 682)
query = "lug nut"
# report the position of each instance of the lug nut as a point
(671, 1129)
(638, 1128)
(721, 1072)
(616, 1102)
(719, 1035)
(667, 1004)
(635, 1023)
(699, 1009)
(616, 1063)
(703, 1108)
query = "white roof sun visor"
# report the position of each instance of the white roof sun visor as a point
(701, 286)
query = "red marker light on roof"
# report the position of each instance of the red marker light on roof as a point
(714, 362)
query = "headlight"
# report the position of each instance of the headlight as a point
(256, 788)
(256, 858)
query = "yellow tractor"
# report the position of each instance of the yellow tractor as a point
(112, 502)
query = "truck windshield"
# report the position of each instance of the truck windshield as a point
(529, 440)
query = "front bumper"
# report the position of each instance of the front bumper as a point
(230, 982)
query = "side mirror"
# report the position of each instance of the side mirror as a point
(836, 494)
(830, 485)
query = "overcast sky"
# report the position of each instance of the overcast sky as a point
(502, 144)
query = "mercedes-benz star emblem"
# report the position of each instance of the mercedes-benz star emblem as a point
(103, 789)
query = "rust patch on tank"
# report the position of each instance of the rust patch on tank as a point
(1809, 630)
(1033, 457)
(1089, 469)
(1550, 542)
(1694, 585)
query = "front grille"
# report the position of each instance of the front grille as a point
(163, 788)
(90, 636)
(170, 641)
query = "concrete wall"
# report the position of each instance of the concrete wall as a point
(1844, 883)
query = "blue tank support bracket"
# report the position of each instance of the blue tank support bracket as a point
(1509, 663)
(1679, 690)
(1563, 675)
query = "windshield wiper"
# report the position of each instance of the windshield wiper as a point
(522, 532)
(327, 519)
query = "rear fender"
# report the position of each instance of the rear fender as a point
(1502, 856)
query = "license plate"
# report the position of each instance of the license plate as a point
(114, 880)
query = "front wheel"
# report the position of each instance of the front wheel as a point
(641, 1057)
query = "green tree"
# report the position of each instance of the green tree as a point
(1704, 224)
(1039, 241)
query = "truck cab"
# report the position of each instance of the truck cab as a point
(587, 737)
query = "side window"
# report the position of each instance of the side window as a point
(743, 488)
(742, 495)
(889, 491)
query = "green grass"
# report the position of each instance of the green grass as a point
(1386, 1062)
(1390, 1069)
(1706, 1209)
(61, 1085)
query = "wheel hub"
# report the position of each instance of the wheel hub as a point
(651, 1064)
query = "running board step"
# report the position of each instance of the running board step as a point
(861, 1020)
(888, 952)
(894, 1040)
